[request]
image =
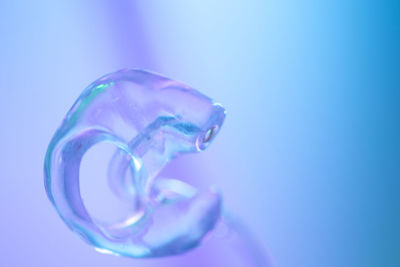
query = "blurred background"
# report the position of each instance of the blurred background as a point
(308, 157)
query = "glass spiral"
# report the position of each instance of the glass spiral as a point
(150, 120)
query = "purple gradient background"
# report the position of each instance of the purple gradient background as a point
(309, 156)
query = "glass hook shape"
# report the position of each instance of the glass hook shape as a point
(148, 120)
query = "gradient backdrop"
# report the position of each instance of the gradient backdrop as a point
(308, 158)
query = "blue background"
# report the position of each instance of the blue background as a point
(309, 153)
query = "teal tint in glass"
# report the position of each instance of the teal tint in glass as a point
(148, 120)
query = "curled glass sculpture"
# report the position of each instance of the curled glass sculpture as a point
(150, 120)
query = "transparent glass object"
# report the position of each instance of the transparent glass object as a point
(150, 120)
